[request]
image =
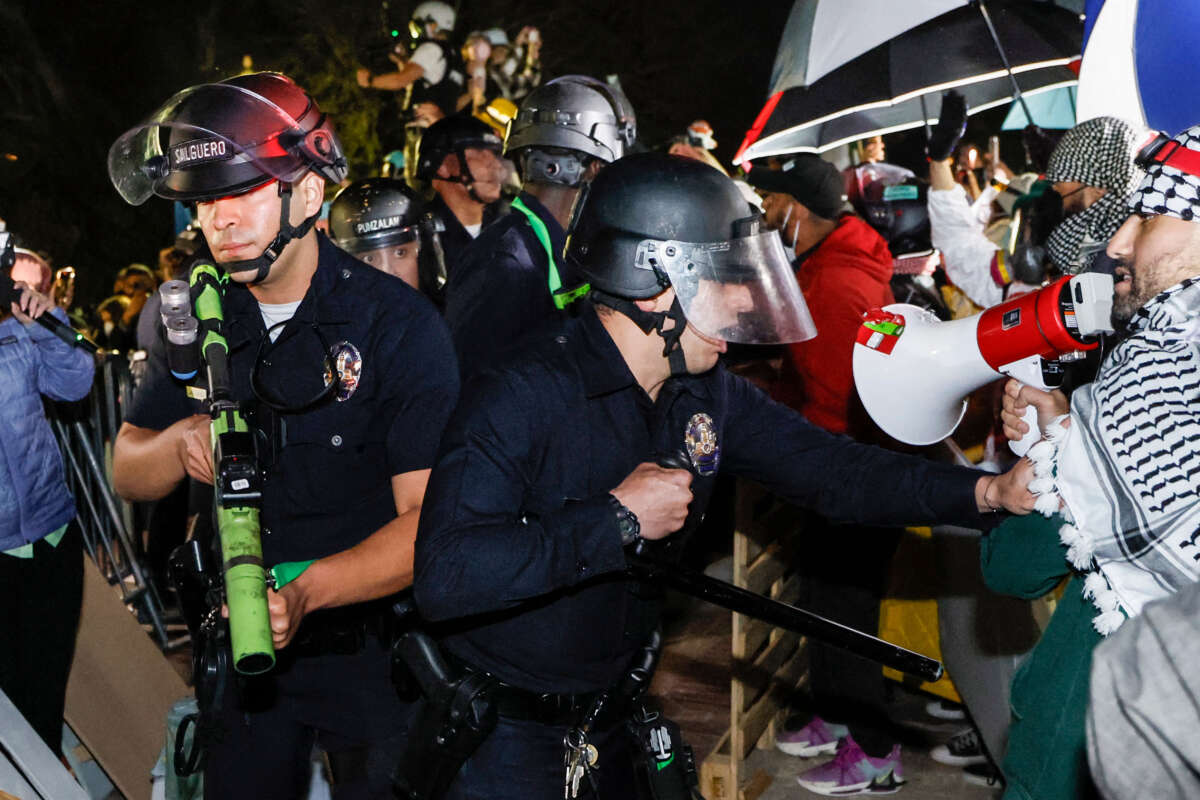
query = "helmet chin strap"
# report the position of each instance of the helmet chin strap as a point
(262, 264)
(653, 321)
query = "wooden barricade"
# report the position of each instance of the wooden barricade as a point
(768, 663)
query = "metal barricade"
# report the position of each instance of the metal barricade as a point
(85, 432)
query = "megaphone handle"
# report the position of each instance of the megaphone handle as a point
(1032, 437)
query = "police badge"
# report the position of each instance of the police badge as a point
(703, 449)
(347, 361)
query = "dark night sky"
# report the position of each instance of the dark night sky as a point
(77, 74)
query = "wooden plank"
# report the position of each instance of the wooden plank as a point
(755, 786)
(768, 567)
(743, 736)
(754, 677)
(718, 773)
(749, 635)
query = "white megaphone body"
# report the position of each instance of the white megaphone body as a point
(914, 371)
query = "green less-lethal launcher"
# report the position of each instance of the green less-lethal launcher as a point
(236, 500)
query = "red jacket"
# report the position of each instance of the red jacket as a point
(847, 274)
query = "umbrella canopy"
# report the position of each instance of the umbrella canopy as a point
(881, 89)
(821, 35)
(1052, 110)
(1140, 64)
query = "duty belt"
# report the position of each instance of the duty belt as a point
(548, 708)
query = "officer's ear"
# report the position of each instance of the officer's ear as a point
(310, 192)
(660, 302)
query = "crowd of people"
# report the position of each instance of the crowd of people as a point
(483, 378)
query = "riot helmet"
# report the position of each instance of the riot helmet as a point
(654, 221)
(566, 123)
(374, 213)
(454, 135)
(220, 139)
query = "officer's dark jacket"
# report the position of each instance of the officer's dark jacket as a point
(499, 291)
(517, 527)
(329, 469)
(455, 238)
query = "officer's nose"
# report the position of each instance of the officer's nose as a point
(224, 212)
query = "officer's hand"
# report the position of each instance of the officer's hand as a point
(658, 496)
(1018, 397)
(364, 78)
(195, 450)
(30, 304)
(288, 607)
(1009, 491)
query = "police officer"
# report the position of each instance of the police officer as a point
(548, 466)
(511, 281)
(345, 373)
(379, 220)
(460, 157)
(435, 69)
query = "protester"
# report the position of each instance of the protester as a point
(41, 552)
(844, 268)
(1144, 704)
(1116, 476)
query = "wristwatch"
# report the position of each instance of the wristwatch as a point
(627, 522)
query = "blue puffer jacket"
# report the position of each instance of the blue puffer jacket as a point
(34, 499)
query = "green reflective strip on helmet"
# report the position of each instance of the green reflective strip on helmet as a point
(890, 328)
(562, 298)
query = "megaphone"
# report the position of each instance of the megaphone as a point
(914, 371)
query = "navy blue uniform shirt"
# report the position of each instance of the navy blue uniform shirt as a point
(517, 531)
(328, 469)
(499, 292)
(455, 239)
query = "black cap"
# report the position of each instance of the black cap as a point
(810, 180)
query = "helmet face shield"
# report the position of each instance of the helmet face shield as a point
(742, 290)
(214, 140)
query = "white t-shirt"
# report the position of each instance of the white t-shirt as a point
(474, 229)
(430, 57)
(275, 313)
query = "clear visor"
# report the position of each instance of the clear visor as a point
(243, 134)
(741, 291)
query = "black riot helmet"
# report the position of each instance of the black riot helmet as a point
(219, 139)
(652, 221)
(374, 213)
(454, 135)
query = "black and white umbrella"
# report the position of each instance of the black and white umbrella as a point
(1027, 45)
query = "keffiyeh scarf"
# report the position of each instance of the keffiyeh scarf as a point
(1127, 469)
(1099, 152)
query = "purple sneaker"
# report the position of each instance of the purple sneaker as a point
(815, 738)
(854, 772)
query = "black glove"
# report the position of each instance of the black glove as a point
(951, 125)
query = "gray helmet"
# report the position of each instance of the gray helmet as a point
(374, 213)
(565, 123)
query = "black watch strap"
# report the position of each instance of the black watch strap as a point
(627, 522)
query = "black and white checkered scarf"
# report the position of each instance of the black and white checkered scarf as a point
(1128, 467)
(1170, 191)
(1099, 152)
